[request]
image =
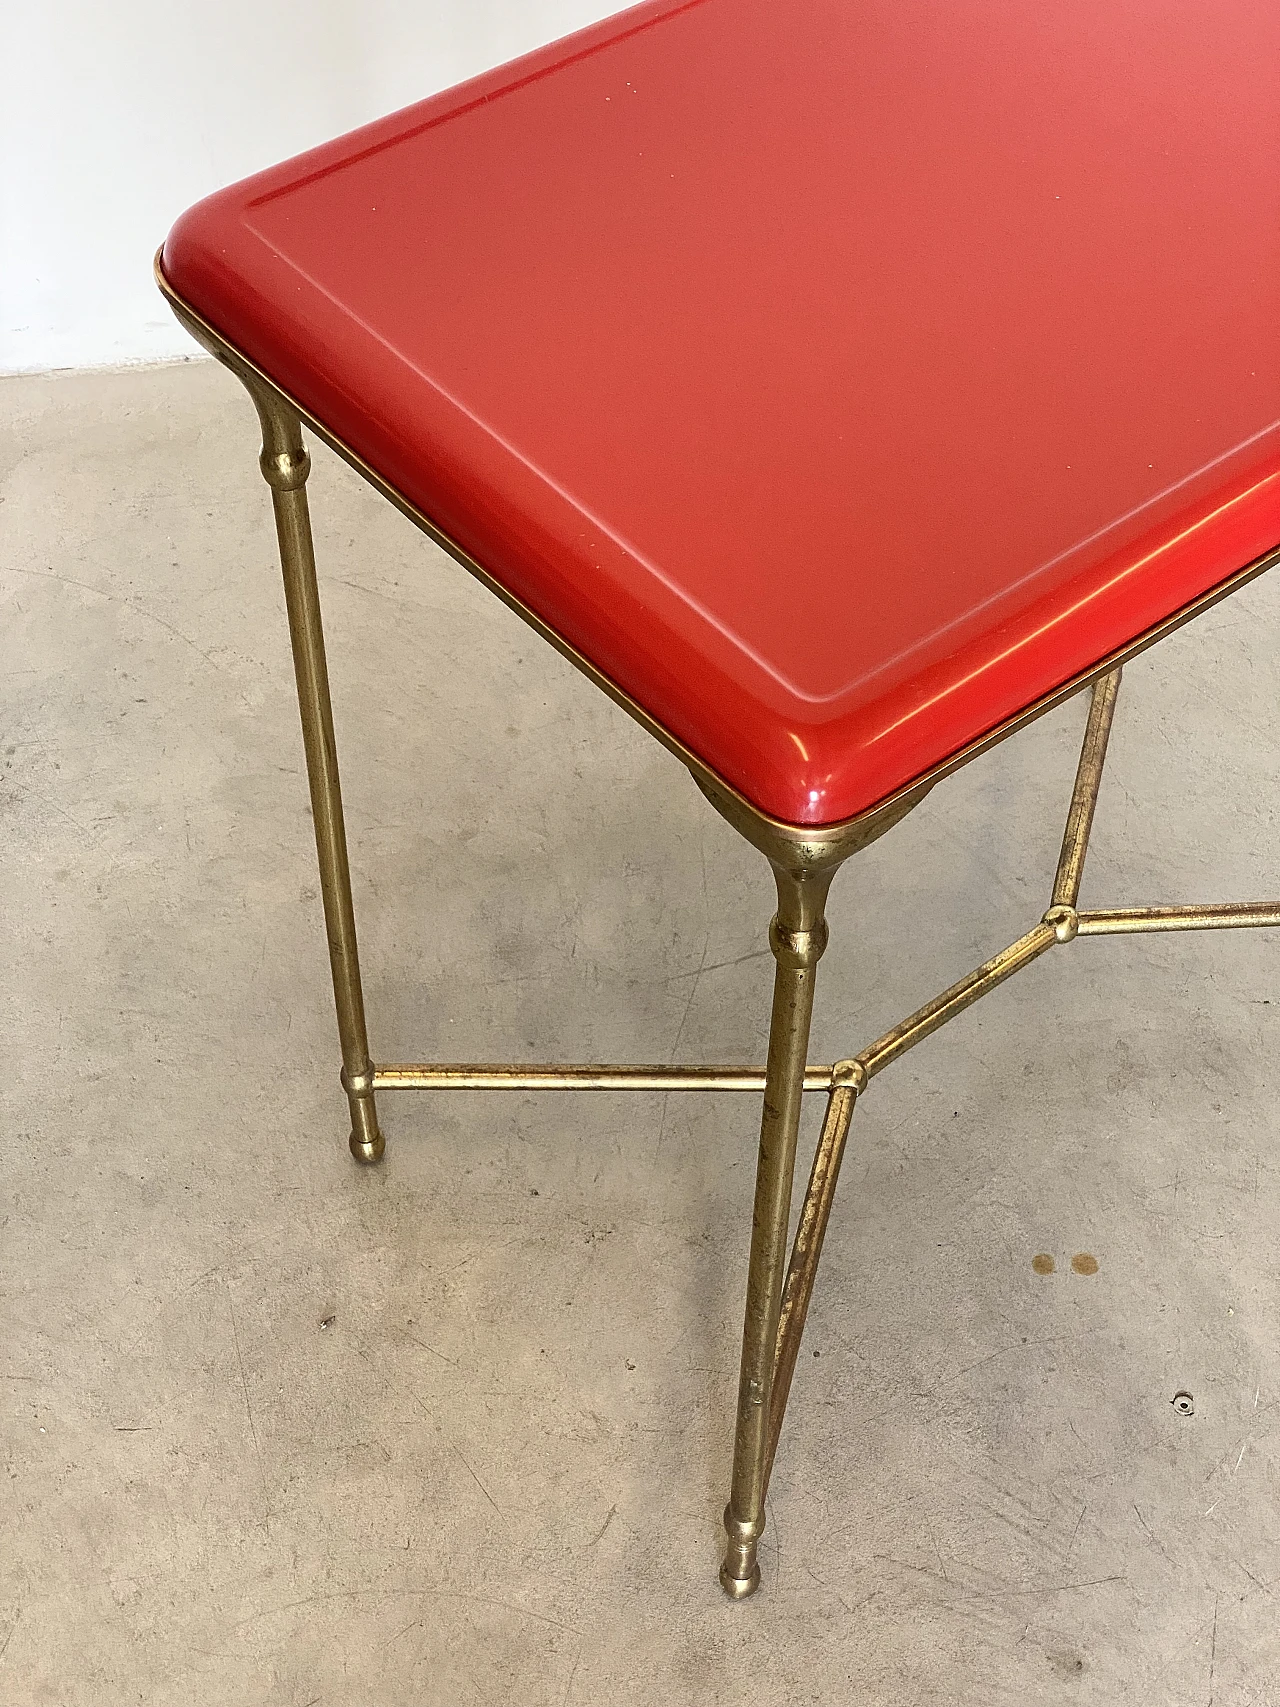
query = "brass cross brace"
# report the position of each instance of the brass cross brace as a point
(847, 1079)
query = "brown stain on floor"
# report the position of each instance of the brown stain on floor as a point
(1083, 1262)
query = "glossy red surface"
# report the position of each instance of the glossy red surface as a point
(839, 379)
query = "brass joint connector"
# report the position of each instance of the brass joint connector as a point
(851, 1073)
(1065, 922)
(358, 1084)
(286, 470)
(797, 950)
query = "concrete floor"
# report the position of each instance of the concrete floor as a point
(456, 1430)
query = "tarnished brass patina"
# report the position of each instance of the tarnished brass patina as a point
(804, 862)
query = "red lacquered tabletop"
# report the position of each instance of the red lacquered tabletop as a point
(839, 379)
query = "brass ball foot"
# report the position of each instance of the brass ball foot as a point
(368, 1150)
(738, 1588)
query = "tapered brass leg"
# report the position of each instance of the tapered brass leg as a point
(797, 937)
(285, 466)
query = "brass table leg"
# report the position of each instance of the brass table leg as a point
(797, 936)
(285, 465)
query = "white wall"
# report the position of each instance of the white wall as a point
(113, 118)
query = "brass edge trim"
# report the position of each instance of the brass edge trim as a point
(834, 839)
